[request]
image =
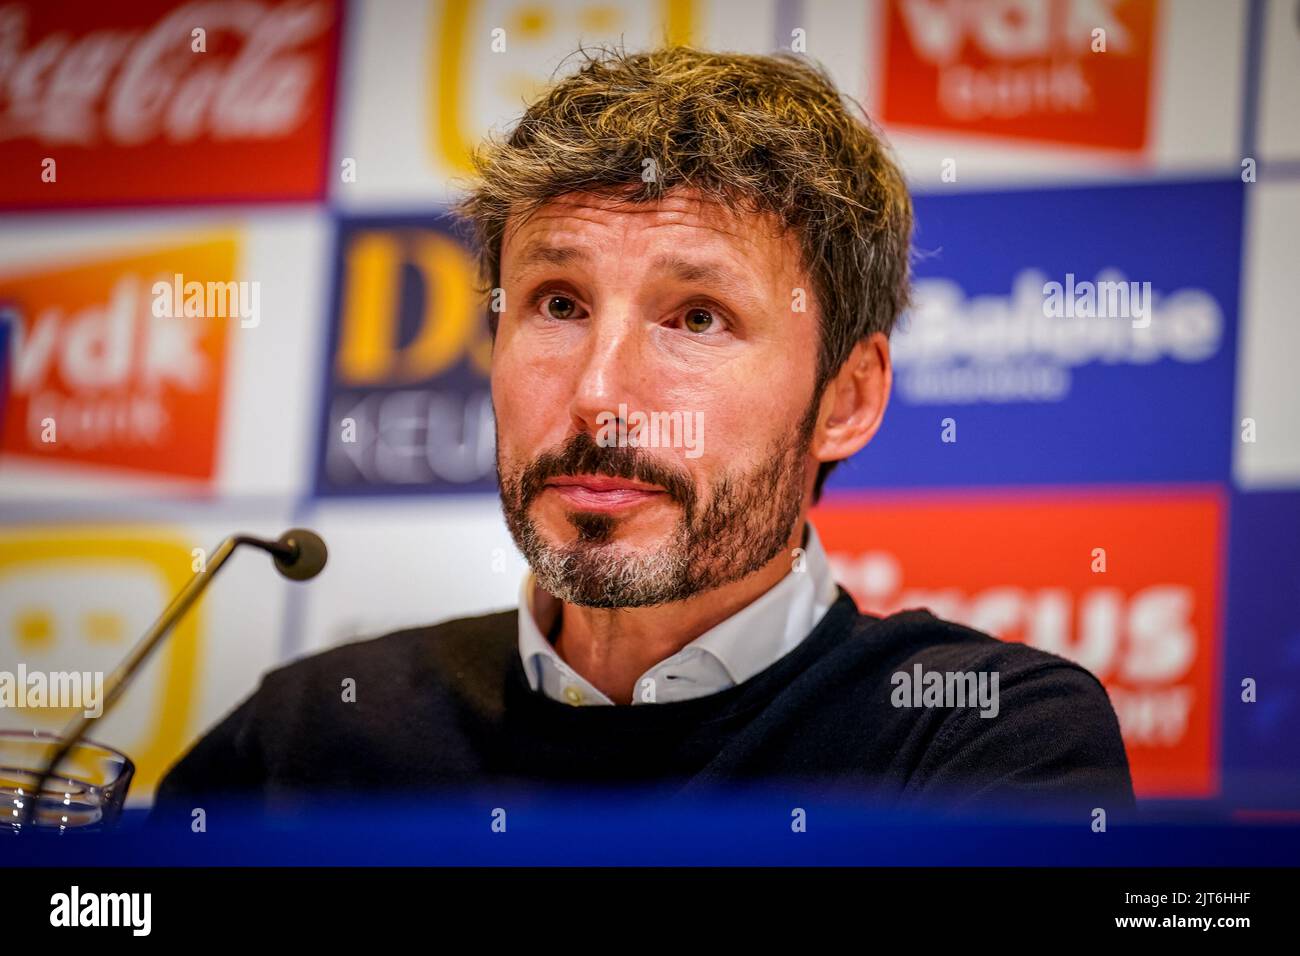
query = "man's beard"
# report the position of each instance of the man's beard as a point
(745, 522)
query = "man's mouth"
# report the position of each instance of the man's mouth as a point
(603, 493)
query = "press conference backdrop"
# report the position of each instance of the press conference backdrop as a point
(1123, 492)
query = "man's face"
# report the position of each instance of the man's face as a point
(618, 313)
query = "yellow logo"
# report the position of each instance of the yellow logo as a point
(77, 600)
(537, 34)
(449, 321)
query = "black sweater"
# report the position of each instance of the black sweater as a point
(449, 706)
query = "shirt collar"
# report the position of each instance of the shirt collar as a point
(729, 653)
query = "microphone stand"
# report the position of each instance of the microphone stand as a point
(288, 550)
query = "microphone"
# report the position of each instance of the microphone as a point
(302, 554)
(298, 554)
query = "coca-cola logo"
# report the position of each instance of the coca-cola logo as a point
(251, 79)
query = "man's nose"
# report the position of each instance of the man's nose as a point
(610, 372)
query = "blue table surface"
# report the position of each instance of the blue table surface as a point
(608, 830)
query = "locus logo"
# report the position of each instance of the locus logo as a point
(1146, 623)
(75, 908)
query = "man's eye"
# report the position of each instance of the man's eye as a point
(560, 306)
(698, 320)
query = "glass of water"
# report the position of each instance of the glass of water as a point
(86, 793)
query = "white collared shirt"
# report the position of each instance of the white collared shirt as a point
(727, 654)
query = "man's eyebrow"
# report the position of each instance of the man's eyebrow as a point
(541, 253)
(687, 271)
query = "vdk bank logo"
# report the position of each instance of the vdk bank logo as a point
(100, 376)
(1057, 71)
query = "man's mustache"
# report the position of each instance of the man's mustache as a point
(581, 455)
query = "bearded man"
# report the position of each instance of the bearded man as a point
(682, 238)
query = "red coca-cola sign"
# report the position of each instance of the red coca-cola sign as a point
(159, 100)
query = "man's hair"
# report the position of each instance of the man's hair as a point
(753, 133)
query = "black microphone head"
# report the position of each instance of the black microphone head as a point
(309, 554)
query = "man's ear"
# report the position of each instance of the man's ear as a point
(853, 403)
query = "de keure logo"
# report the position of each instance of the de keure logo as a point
(407, 407)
